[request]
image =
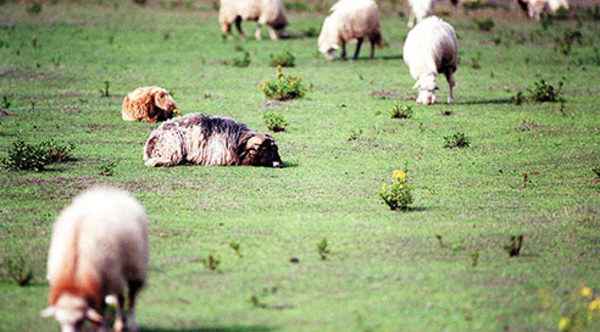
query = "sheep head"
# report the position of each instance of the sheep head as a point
(164, 103)
(329, 38)
(257, 149)
(71, 312)
(427, 85)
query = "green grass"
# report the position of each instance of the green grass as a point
(386, 270)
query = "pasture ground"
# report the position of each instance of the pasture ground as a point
(386, 271)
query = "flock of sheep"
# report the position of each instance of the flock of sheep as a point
(99, 243)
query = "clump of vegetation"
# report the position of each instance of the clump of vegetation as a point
(485, 24)
(354, 134)
(19, 270)
(310, 32)
(475, 61)
(514, 247)
(296, 5)
(34, 8)
(471, 5)
(596, 170)
(322, 248)
(285, 59)
(474, 258)
(5, 103)
(25, 156)
(565, 43)
(284, 87)
(107, 169)
(106, 91)
(458, 140)
(212, 263)
(240, 63)
(544, 92)
(401, 112)
(236, 248)
(275, 122)
(398, 195)
(140, 2)
(582, 309)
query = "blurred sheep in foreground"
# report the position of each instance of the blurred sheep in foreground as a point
(431, 48)
(99, 247)
(350, 20)
(150, 104)
(210, 141)
(266, 12)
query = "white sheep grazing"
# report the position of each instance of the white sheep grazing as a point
(266, 12)
(99, 246)
(431, 48)
(350, 20)
(535, 8)
(419, 10)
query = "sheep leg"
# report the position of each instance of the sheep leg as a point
(238, 25)
(343, 55)
(450, 79)
(134, 288)
(272, 33)
(372, 48)
(120, 320)
(358, 45)
(226, 28)
(258, 30)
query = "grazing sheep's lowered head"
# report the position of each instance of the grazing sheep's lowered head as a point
(258, 149)
(149, 104)
(427, 85)
(71, 312)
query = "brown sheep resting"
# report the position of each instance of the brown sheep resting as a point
(210, 141)
(150, 104)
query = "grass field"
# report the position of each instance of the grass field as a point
(441, 266)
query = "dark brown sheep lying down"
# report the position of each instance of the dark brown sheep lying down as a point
(210, 141)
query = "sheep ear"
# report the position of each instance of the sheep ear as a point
(335, 46)
(48, 312)
(242, 142)
(416, 86)
(93, 316)
(436, 87)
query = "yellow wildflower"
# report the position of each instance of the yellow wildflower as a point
(586, 292)
(399, 175)
(594, 305)
(176, 112)
(383, 187)
(563, 323)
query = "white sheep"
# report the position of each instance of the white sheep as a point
(419, 10)
(99, 246)
(431, 48)
(350, 20)
(535, 8)
(266, 12)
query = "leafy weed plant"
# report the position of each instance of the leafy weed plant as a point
(25, 156)
(285, 59)
(283, 87)
(5, 103)
(485, 24)
(401, 112)
(399, 194)
(513, 248)
(458, 140)
(105, 92)
(107, 169)
(275, 122)
(212, 263)
(322, 249)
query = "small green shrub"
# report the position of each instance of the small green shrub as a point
(284, 87)
(322, 249)
(107, 169)
(285, 59)
(5, 103)
(25, 156)
(236, 247)
(355, 134)
(544, 92)
(596, 170)
(401, 112)
(275, 122)
(34, 8)
(458, 140)
(485, 24)
(310, 32)
(212, 263)
(398, 195)
(106, 91)
(19, 270)
(472, 4)
(243, 62)
(513, 248)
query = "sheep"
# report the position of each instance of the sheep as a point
(420, 9)
(266, 12)
(210, 141)
(431, 48)
(99, 246)
(535, 8)
(151, 104)
(350, 20)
